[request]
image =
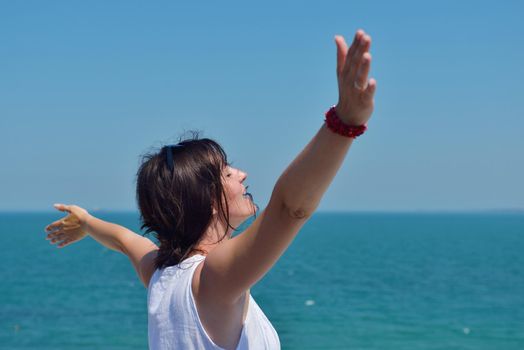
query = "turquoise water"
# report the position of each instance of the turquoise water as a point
(349, 281)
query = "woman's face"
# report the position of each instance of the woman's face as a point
(241, 206)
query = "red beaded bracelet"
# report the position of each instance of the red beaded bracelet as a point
(336, 125)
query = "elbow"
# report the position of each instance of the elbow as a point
(299, 213)
(291, 207)
(296, 211)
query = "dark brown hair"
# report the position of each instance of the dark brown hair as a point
(176, 202)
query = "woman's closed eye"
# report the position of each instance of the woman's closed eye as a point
(228, 169)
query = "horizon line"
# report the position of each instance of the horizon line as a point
(378, 211)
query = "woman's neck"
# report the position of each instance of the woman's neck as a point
(214, 234)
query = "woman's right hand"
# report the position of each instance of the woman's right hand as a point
(70, 229)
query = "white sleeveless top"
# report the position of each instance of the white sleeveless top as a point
(173, 321)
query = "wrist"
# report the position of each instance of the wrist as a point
(85, 222)
(340, 114)
(341, 127)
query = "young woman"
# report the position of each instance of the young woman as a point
(191, 199)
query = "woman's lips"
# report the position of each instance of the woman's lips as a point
(248, 195)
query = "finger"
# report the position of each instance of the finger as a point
(352, 49)
(62, 207)
(342, 49)
(65, 243)
(58, 238)
(357, 57)
(71, 227)
(54, 235)
(54, 241)
(54, 226)
(369, 93)
(362, 75)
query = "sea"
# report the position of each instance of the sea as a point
(348, 281)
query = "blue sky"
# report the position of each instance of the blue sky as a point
(88, 86)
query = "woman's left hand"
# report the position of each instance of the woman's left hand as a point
(70, 229)
(355, 89)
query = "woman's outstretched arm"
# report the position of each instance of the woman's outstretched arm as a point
(234, 266)
(79, 223)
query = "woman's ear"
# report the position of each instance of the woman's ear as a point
(214, 208)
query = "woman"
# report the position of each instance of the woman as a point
(199, 277)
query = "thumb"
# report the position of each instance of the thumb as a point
(370, 89)
(62, 207)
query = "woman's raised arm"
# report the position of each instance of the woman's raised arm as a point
(234, 266)
(79, 223)
(307, 178)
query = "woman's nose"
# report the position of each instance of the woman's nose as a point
(243, 175)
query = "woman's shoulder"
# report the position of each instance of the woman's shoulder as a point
(167, 272)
